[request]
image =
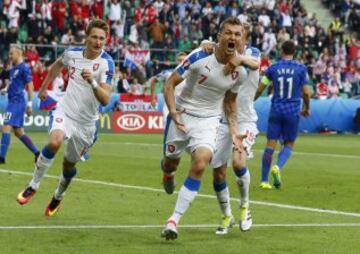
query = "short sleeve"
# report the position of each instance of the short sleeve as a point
(65, 58)
(254, 52)
(27, 74)
(305, 76)
(108, 69)
(189, 62)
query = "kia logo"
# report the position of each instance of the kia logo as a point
(130, 122)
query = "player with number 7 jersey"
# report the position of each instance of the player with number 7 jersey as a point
(194, 115)
(289, 79)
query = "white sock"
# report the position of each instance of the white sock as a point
(223, 198)
(64, 183)
(41, 167)
(243, 183)
(185, 197)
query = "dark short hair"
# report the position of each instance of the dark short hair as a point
(288, 48)
(230, 21)
(97, 23)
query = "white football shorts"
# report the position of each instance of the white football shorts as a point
(79, 137)
(201, 132)
(224, 142)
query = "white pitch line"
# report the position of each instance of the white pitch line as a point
(256, 150)
(304, 225)
(346, 156)
(125, 186)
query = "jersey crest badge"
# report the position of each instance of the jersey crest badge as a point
(96, 67)
(234, 75)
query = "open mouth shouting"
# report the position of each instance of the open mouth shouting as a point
(230, 47)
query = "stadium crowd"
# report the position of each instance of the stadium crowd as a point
(167, 27)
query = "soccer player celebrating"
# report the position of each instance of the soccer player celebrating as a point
(20, 76)
(247, 118)
(194, 117)
(289, 79)
(74, 119)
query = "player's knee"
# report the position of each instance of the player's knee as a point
(67, 165)
(238, 163)
(199, 164)
(54, 144)
(18, 132)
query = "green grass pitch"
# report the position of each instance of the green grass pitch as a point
(116, 205)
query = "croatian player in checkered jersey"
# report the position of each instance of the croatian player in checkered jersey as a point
(194, 118)
(247, 117)
(75, 117)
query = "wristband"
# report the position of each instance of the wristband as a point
(29, 104)
(94, 84)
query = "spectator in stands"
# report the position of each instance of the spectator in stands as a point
(264, 63)
(97, 9)
(59, 13)
(136, 88)
(157, 31)
(14, 13)
(115, 11)
(38, 75)
(67, 38)
(282, 36)
(207, 9)
(336, 29)
(333, 89)
(233, 10)
(322, 90)
(32, 55)
(264, 18)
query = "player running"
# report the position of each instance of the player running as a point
(20, 76)
(75, 117)
(289, 79)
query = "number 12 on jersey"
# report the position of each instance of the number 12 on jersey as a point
(289, 82)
